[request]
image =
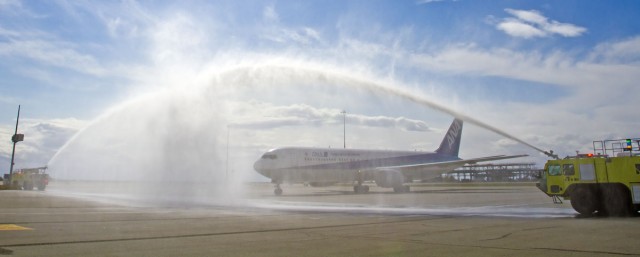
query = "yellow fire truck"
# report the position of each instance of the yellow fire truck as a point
(597, 183)
(27, 179)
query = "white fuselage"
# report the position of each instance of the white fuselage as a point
(389, 169)
(329, 165)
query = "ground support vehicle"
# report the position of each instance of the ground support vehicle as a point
(28, 179)
(596, 183)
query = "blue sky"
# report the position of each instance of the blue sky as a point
(557, 73)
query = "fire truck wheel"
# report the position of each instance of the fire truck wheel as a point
(616, 201)
(584, 200)
(27, 186)
(15, 185)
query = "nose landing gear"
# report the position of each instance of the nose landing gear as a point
(359, 188)
(278, 190)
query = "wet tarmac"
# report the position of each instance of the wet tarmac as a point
(433, 220)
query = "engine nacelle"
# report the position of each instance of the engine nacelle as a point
(388, 178)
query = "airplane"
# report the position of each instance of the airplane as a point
(389, 169)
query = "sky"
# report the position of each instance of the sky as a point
(171, 85)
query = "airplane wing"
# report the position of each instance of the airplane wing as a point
(445, 166)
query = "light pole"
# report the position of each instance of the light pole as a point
(15, 139)
(344, 128)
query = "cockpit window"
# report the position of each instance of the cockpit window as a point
(554, 170)
(269, 156)
(568, 169)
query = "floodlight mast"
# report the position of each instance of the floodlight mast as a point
(15, 140)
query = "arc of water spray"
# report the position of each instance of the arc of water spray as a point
(415, 99)
(358, 81)
(382, 88)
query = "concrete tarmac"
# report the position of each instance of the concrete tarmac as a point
(333, 221)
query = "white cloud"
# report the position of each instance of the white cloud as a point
(518, 28)
(45, 49)
(178, 40)
(267, 116)
(528, 24)
(276, 32)
(113, 26)
(531, 16)
(269, 13)
(126, 20)
(564, 29)
(625, 51)
(555, 68)
(303, 36)
(421, 2)
(42, 140)
(311, 33)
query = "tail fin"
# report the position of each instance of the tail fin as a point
(451, 142)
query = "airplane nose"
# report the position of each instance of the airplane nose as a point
(258, 166)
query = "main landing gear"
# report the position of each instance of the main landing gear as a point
(359, 188)
(278, 190)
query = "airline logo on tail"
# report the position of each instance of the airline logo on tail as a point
(451, 142)
(453, 132)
